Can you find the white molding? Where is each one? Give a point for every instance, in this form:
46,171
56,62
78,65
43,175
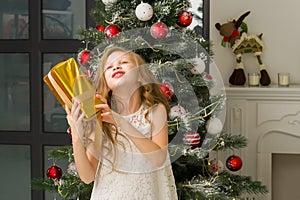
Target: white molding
269,117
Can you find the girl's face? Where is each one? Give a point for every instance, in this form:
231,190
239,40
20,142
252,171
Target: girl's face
117,67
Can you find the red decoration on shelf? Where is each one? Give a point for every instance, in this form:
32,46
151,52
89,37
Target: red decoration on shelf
100,28
191,138
84,57
112,30
234,163
54,172
159,30
167,90
185,18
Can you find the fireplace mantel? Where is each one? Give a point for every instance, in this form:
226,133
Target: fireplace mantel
269,117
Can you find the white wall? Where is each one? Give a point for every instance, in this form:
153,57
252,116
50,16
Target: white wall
279,21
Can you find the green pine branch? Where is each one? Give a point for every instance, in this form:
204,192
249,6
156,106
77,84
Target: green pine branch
228,141
64,153
223,186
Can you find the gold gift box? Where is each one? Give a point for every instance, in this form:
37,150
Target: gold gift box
68,82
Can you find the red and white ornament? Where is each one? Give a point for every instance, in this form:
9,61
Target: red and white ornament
207,76
199,66
84,57
177,111
191,138
100,28
215,166
234,163
111,31
167,89
54,172
159,30
107,2
185,18
214,126
144,11
71,169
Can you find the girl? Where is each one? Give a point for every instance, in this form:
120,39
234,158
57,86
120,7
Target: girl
133,161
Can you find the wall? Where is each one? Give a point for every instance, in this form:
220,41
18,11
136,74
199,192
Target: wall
279,23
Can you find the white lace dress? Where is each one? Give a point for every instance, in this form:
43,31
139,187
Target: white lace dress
132,178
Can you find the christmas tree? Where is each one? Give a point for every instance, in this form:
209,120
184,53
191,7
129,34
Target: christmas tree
182,61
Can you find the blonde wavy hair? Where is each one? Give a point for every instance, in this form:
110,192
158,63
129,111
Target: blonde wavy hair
150,91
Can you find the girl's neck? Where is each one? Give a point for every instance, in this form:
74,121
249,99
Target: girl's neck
126,106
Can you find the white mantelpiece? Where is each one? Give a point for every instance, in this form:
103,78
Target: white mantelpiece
269,117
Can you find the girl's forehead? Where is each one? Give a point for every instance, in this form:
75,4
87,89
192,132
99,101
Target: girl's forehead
115,56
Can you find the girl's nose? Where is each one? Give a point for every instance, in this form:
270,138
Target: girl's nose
117,67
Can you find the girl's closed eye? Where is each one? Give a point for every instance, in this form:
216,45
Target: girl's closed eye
108,67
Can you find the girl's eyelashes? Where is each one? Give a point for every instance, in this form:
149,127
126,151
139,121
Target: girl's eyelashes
108,67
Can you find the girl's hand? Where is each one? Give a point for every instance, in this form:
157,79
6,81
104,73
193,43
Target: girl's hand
106,112
75,119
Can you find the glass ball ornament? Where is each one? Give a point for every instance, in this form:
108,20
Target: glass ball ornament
84,57
107,2
177,111
199,66
112,30
159,30
214,126
100,28
185,18
234,163
71,169
144,11
216,166
54,172
191,138
167,89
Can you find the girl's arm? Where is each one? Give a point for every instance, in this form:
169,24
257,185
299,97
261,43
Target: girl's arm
154,148
85,162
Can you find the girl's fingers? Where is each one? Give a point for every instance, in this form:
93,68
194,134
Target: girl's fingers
81,116
102,106
67,110
77,112
101,98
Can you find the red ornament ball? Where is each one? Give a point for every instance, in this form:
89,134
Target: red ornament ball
185,18
100,28
159,30
111,30
54,172
167,89
84,57
234,163
191,138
